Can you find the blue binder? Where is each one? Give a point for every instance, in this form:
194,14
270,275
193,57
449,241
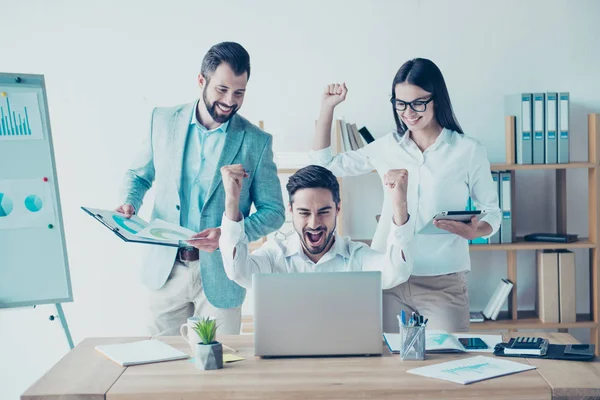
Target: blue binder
551,128
496,177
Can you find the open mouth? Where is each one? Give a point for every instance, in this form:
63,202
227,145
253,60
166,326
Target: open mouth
224,109
315,239
411,121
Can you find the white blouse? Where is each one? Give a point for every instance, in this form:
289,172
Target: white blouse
442,178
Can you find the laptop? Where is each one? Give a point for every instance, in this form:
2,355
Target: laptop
317,314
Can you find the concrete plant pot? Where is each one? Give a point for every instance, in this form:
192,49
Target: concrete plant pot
209,356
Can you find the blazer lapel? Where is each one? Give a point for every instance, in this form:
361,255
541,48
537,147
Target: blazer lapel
233,142
180,123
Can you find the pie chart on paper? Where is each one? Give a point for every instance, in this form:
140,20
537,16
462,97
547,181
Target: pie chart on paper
6,205
167,234
33,203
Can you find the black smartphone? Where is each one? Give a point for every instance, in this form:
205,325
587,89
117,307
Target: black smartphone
364,132
473,343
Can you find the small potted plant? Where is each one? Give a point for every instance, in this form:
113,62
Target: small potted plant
209,352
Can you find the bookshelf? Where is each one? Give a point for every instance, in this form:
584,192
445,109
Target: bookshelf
529,167
529,320
515,319
520,244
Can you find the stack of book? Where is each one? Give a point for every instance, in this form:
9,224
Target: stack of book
494,305
352,137
556,286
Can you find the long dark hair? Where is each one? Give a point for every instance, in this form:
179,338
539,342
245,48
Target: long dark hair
425,74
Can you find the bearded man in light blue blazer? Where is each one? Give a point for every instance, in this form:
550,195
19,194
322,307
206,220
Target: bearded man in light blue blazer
182,156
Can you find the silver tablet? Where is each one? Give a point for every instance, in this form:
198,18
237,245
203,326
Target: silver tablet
462,216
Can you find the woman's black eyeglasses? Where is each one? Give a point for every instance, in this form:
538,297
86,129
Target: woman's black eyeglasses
417,105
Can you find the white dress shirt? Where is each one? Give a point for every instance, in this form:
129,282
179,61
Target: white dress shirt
441,178
287,255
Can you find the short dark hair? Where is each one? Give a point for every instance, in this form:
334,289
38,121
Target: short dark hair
312,177
425,74
229,52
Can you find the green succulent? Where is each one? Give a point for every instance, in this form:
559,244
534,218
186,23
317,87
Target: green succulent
206,328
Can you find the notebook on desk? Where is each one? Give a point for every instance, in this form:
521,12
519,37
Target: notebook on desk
536,347
438,341
527,346
142,352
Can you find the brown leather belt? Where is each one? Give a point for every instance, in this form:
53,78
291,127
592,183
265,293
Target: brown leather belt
188,254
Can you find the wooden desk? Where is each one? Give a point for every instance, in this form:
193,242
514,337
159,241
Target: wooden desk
85,374
568,379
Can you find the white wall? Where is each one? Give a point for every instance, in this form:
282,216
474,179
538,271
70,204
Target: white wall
108,63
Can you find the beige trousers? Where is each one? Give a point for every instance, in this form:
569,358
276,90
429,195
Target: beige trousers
443,299
182,297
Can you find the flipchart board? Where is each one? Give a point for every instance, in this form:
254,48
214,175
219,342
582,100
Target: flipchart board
33,257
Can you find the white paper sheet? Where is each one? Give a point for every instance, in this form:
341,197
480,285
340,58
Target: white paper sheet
20,116
26,203
471,370
165,231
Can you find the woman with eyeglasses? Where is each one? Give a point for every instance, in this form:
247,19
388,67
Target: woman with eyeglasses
445,168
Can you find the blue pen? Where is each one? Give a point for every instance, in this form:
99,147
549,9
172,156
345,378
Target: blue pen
403,318
416,335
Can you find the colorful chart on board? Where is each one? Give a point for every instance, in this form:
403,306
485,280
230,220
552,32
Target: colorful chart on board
6,205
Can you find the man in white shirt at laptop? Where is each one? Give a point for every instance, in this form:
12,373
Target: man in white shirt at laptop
314,201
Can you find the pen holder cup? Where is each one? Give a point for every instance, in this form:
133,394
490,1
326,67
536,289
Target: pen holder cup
412,342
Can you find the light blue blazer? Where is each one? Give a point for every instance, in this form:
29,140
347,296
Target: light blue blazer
160,163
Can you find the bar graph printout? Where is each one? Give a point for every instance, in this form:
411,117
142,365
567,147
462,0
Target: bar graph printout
20,117
469,370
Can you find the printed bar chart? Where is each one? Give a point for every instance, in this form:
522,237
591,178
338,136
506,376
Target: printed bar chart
19,116
13,122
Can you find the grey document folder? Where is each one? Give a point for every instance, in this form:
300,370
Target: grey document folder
317,314
564,130
506,226
551,128
539,122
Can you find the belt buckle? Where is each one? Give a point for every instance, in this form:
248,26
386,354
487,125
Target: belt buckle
188,254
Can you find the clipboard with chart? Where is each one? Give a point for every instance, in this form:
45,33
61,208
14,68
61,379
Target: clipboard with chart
137,230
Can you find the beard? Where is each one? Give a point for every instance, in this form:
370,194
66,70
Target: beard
212,109
317,250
